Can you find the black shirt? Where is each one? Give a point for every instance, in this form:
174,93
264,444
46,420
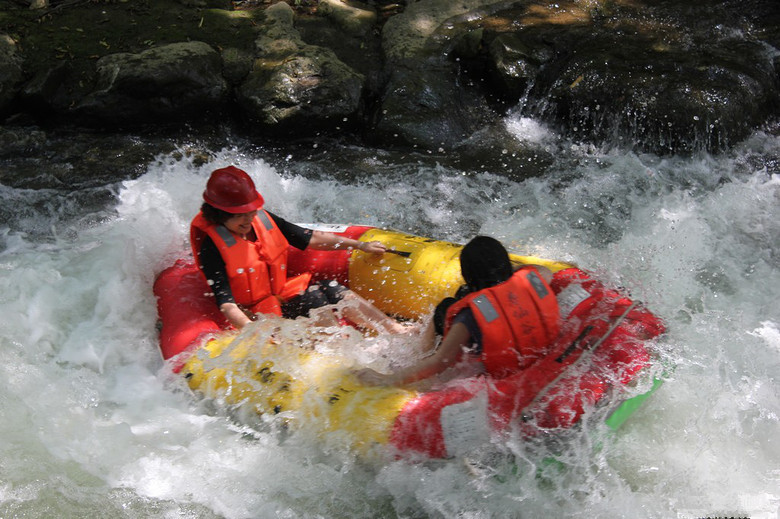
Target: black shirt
465,316
214,266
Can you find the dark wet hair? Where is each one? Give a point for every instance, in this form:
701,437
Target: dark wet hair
214,215
484,263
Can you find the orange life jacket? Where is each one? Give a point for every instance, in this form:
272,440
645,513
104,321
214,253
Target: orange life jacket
518,320
256,270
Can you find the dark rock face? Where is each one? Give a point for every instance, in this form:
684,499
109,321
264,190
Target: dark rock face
311,89
423,105
293,85
652,75
660,75
180,81
679,103
10,72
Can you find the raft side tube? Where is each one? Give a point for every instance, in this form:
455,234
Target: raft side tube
185,308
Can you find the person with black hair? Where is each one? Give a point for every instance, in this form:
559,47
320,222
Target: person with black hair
501,320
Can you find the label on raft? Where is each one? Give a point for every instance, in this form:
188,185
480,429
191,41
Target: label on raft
465,426
325,227
570,297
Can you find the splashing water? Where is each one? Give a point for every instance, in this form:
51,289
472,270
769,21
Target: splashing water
94,423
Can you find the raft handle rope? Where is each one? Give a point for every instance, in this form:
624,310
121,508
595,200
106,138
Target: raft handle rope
402,253
573,346
586,354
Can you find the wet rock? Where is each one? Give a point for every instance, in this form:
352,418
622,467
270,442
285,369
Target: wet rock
20,141
412,33
426,102
353,20
180,81
663,76
513,65
423,105
295,87
236,64
664,99
654,77
53,92
10,72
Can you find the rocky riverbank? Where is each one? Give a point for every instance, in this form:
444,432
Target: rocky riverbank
434,75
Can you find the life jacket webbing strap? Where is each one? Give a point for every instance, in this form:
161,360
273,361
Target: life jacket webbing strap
265,220
570,349
226,235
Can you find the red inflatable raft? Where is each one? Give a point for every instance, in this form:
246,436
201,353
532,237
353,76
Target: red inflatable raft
602,349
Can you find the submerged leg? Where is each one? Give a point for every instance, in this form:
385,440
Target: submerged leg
324,316
366,315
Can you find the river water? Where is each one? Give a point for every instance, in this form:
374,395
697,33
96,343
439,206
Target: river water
93,425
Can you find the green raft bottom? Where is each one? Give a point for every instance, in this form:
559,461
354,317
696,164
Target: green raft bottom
627,408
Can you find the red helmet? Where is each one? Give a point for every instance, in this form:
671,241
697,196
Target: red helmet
231,190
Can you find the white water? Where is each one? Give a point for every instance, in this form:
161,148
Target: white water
92,425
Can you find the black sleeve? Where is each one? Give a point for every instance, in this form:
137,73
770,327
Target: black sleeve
440,313
215,271
295,235
466,316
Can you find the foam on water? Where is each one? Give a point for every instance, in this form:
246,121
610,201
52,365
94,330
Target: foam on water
93,423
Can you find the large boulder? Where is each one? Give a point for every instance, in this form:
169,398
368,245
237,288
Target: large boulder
353,20
426,102
668,100
169,83
294,87
423,104
653,76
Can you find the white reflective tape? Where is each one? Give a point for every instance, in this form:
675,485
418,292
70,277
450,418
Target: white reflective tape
486,308
538,284
325,227
570,297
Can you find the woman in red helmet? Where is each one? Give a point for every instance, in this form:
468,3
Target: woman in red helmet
242,251
503,322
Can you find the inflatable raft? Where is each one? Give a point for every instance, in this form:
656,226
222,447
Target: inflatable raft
601,350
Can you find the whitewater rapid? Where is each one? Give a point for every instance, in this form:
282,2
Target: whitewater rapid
94,425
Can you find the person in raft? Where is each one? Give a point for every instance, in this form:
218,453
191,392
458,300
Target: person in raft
242,250
503,322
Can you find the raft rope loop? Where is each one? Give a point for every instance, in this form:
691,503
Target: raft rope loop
586,355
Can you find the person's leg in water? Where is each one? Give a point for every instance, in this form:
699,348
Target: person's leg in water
315,297
355,308
365,315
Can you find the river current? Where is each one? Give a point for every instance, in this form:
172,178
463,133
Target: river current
93,424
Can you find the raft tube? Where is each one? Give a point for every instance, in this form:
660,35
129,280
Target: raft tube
601,349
